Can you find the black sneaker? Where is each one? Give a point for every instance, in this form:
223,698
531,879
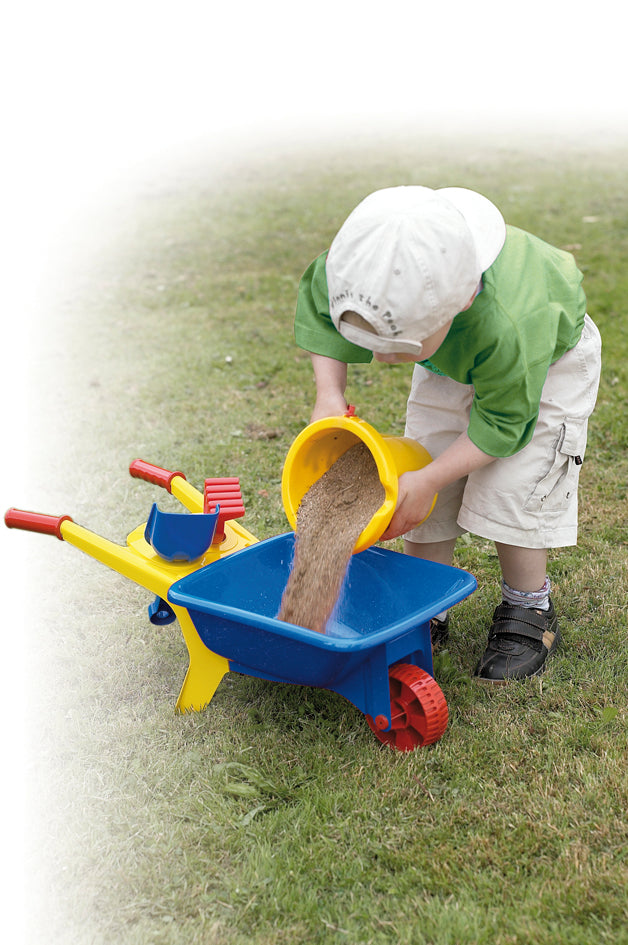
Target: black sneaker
519,642
439,632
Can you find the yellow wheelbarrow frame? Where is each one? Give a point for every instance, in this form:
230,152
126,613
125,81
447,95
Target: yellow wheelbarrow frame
142,564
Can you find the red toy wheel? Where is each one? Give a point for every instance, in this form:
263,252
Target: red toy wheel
419,713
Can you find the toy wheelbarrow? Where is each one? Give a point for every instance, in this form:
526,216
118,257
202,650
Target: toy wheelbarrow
376,651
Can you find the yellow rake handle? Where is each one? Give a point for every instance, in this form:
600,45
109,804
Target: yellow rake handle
174,482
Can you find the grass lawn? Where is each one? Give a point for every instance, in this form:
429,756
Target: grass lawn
275,816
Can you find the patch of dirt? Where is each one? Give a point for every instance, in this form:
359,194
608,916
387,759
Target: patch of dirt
256,431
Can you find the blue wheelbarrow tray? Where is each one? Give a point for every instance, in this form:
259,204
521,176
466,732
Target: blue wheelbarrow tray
382,617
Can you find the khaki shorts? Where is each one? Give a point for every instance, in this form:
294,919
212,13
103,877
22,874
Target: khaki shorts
530,499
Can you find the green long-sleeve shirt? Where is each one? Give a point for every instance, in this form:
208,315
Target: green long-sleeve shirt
529,313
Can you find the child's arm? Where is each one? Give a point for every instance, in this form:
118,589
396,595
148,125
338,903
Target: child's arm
417,488
331,381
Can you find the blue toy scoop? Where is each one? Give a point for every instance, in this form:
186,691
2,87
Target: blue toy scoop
178,536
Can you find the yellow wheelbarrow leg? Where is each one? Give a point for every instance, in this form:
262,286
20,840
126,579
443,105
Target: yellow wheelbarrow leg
205,669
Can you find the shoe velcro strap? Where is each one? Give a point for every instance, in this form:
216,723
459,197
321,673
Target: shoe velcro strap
523,623
517,629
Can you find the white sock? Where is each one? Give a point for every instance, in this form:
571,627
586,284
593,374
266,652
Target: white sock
539,600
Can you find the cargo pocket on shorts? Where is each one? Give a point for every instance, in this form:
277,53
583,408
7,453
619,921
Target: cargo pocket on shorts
555,491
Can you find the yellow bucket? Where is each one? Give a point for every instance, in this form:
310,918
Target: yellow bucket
321,443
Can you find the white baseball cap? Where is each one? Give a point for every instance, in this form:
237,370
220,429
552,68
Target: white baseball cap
407,260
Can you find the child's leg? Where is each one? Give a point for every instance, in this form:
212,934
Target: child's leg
525,627
523,569
527,503
440,551
443,553
438,411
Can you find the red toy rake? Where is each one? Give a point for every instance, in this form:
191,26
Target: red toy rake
223,496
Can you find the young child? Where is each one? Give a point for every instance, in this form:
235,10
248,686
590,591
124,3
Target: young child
506,376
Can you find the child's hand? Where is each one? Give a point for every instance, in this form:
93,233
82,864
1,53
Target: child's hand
414,503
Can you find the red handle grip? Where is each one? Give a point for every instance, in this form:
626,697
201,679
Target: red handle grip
140,469
35,522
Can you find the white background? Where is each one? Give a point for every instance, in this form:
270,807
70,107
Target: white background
95,93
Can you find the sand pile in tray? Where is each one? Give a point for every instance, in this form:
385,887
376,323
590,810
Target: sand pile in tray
332,514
